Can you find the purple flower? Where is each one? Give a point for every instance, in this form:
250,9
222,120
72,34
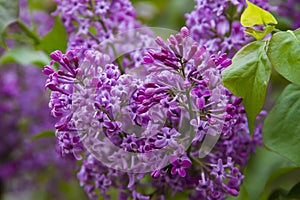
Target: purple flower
88,24
139,196
177,106
68,144
180,165
94,176
166,137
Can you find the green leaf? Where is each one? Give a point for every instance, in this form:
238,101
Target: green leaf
36,4
254,15
248,77
280,182
56,39
259,34
259,168
30,33
9,13
281,132
295,192
25,56
284,54
278,194
43,134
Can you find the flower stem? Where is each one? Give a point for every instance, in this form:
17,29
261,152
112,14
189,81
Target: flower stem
112,45
190,107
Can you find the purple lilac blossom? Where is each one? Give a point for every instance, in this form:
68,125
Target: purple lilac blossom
61,101
178,102
88,23
216,25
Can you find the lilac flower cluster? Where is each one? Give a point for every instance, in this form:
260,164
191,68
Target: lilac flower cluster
60,103
291,10
175,122
88,23
216,25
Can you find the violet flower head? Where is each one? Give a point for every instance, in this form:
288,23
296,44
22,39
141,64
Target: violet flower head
179,165
175,121
88,23
92,176
91,23
61,83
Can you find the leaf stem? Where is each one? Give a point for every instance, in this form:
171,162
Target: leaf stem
28,32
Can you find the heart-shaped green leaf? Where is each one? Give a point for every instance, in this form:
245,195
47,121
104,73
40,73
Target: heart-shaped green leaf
281,131
254,15
248,77
284,54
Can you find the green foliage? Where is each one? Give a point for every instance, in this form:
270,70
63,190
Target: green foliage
284,54
72,190
254,15
250,72
280,182
248,77
56,39
260,167
281,128
43,134
258,34
278,194
168,14
30,34
38,4
295,192
25,56
9,13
